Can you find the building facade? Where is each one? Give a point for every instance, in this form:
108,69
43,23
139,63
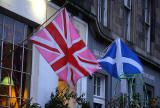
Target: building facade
24,74
98,22
136,23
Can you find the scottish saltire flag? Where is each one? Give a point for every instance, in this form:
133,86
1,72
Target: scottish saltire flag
61,46
120,60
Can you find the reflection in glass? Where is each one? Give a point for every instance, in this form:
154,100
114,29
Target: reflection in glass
8,29
27,63
7,54
1,26
28,44
25,86
17,61
19,32
4,102
4,89
17,83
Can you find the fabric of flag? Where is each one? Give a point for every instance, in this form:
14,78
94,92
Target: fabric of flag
120,60
61,46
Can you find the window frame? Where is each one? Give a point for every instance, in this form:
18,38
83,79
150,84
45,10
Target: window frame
23,83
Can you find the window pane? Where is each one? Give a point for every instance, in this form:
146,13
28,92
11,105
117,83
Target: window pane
27,63
5,81
17,83
8,29
0,50
4,102
28,44
19,32
95,87
17,61
14,103
1,26
7,54
98,86
25,86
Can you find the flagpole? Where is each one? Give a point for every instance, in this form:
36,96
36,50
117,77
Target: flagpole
35,30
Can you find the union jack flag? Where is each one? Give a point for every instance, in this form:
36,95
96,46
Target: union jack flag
61,46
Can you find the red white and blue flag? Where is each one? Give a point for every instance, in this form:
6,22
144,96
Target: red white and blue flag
61,46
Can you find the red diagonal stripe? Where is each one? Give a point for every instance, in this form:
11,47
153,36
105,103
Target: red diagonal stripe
45,46
89,62
76,47
65,25
72,75
59,64
75,63
57,37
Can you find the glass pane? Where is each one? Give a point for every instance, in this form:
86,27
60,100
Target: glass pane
8,29
27,63
98,86
1,26
0,50
14,103
25,103
94,85
28,44
4,102
25,86
19,32
17,61
17,84
7,54
98,91
5,81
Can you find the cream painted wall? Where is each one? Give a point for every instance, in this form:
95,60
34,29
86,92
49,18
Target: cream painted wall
35,10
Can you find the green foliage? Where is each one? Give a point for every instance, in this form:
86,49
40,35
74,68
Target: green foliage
61,98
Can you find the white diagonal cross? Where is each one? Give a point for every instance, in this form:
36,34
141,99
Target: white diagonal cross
119,60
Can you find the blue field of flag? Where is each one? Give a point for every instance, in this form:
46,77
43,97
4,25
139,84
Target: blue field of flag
120,60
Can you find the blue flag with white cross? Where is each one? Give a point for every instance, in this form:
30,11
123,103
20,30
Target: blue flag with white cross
120,60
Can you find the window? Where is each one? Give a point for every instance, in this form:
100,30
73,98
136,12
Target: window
147,34
148,92
147,21
127,24
97,105
15,65
127,19
131,86
127,4
99,85
99,91
147,11
102,12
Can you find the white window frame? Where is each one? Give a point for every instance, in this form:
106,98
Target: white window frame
102,85
127,3
100,99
